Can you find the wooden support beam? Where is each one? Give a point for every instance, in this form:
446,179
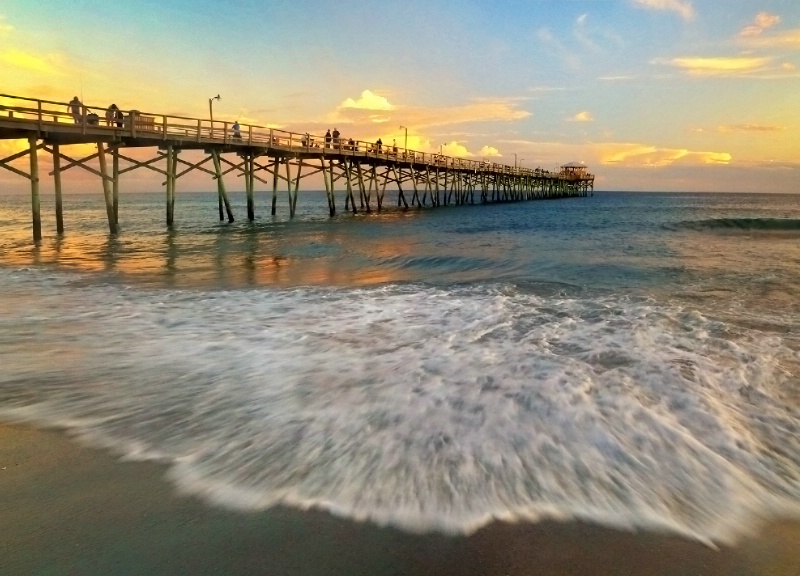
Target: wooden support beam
289,188
112,221
57,184
248,183
331,210
115,183
275,185
296,186
221,194
332,196
170,184
35,200
347,169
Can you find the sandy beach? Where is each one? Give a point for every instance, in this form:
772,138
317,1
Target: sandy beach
66,509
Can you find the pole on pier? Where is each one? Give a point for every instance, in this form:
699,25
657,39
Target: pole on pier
223,196
249,185
347,168
331,209
35,201
275,168
170,184
57,182
115,183
333,192
297,186
101,155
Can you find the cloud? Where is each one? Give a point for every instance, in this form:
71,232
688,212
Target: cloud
479,110
50,65
711,66
750,128
762,21
784,39
619,78
455,149
584,116
489,151
683,7
5,27
655,157
368,101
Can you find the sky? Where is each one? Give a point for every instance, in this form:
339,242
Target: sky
652,95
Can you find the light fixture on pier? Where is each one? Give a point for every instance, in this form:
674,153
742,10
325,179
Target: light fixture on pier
405,144
211,111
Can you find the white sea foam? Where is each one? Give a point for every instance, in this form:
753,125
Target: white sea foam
419,407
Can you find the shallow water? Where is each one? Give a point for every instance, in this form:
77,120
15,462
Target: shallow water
630,359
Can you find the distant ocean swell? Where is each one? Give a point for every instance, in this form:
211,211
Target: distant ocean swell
767,224
420,407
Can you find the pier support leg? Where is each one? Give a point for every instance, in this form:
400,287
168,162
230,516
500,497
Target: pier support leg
223,196
57,183
275,168
170,184
115,183
347,169
35,201
101,155
289,187
249,184
331,210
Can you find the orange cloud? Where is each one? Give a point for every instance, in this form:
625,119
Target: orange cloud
762,21
489,151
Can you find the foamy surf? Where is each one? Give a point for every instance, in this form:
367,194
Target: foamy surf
419,407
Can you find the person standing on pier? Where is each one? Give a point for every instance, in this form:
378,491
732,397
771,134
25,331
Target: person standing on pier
237,134
378,144
328,138
335,137
75,108
111,114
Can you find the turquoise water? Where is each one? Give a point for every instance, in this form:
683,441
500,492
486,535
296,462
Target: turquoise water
629,359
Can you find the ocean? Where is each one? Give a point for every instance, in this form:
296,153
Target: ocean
627,359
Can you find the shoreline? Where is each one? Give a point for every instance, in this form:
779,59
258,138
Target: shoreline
68,509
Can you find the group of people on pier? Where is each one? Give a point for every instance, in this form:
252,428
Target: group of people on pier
113,115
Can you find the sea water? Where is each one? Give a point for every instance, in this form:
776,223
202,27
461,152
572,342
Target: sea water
631,359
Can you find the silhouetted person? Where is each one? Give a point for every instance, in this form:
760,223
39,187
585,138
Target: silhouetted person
76,109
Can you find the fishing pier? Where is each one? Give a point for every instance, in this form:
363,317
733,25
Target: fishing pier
261,154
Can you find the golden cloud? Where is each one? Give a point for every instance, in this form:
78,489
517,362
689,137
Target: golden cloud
652,156
710,66
762,21
489,151
50,65
584,116
484,110
368,101
682,7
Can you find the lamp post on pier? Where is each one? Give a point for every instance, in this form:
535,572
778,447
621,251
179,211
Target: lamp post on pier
211,111
515,160
405,143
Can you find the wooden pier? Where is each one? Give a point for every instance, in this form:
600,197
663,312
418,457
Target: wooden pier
259,154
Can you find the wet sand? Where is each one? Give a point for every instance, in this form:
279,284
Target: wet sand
66,509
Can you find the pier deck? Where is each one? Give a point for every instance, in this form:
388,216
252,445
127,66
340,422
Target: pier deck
258,153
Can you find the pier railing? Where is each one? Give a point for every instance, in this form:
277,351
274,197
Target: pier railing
92,120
